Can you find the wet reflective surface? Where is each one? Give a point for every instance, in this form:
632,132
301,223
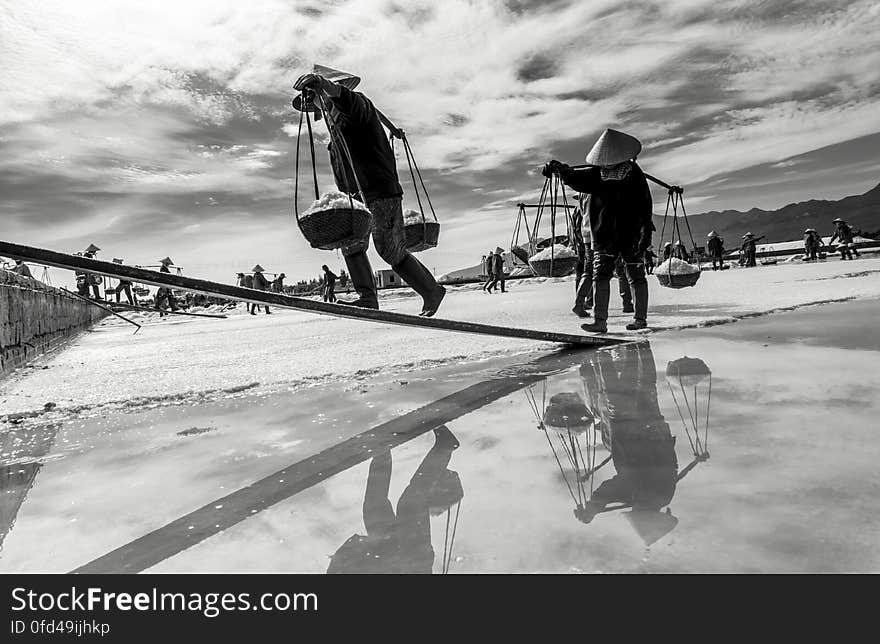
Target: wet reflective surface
738,448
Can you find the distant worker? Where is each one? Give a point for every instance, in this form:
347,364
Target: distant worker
667,250
21,269
679,251
496,268
278,283
124,286
260,283
716,250
812,245
328,291
165,295
844,232
749,249
620,219
89,279
487,270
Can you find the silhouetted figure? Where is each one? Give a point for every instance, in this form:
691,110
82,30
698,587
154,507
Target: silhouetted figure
165,296
749,249
496,266
715,245
328,290
812,245
844,233
22,269
400,542
259,283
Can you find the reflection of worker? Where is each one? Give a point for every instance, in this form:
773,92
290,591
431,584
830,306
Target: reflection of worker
623,384
400,542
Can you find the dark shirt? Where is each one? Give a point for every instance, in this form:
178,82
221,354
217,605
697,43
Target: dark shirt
716,246
844,233
498,265
369,147
620,211
329,278
260,282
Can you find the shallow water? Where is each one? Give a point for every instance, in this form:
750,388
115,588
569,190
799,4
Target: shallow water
618,460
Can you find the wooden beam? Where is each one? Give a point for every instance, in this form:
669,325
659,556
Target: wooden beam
155,278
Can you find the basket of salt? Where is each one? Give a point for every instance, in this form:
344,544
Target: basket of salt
335,221
421,232
677,273
554,261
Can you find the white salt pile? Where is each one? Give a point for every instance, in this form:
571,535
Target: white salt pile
334,199
676,266
415,217
557,251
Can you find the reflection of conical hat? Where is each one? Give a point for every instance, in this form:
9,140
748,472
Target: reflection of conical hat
567,411
614,147
445,492
257,269
650,525
92,249
343,78
166,261
688,370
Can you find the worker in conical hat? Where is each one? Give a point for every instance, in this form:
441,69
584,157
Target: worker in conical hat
715,245
496,266
749,249
165,295
91,250
667,250
620,211
124,286
354,119
89,279
260,283
843,232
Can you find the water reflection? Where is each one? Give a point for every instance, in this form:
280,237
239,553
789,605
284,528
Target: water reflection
22,450
617,412
400,541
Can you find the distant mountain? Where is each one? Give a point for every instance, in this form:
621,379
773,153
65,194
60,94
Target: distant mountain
786,223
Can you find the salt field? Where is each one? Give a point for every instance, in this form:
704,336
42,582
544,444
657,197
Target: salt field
297,443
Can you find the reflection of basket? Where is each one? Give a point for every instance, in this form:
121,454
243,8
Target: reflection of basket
421,236
566,411
561,266
670,280
335,227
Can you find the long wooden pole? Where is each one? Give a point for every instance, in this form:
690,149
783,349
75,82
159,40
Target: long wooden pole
101,306
155,278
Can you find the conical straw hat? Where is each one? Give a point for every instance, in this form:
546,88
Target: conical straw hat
167,260
614,147
343,78
499,250
712,234
257,269
92,249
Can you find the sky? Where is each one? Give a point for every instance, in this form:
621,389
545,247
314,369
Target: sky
165,128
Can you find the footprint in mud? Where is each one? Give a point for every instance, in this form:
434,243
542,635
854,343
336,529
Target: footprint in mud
194,431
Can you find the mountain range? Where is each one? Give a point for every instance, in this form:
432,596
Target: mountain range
862,212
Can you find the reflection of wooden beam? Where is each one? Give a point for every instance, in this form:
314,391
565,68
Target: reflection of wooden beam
155,278
225,512
101,306
148,309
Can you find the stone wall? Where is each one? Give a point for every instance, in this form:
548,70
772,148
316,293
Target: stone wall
35,318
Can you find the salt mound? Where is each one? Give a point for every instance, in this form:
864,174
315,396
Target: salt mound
411,217
334,199
557,251
676,266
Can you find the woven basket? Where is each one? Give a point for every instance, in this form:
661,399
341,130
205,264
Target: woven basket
336,227
421,236
567,412
562,266
677,281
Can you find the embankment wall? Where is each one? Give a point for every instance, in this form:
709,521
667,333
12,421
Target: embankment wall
36,317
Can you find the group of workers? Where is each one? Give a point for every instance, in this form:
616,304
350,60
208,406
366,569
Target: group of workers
258,281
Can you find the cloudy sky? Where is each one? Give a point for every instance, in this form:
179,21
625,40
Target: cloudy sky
165,128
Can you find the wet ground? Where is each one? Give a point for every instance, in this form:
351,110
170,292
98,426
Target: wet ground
756,453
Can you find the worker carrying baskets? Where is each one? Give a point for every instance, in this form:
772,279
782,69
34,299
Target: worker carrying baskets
370,196
619,211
